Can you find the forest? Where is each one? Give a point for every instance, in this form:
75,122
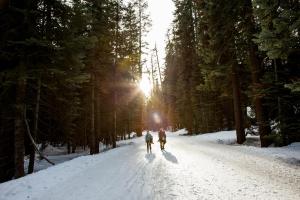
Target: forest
235,65
70,72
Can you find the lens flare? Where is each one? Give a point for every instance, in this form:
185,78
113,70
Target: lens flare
156,118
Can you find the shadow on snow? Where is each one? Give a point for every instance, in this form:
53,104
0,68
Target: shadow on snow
169,156
150,157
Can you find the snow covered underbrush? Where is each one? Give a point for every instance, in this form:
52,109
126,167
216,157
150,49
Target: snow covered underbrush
55,154
60,154
289,154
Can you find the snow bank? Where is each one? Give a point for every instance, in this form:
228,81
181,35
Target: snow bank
59,155
33,186
289,154
179,132
223,137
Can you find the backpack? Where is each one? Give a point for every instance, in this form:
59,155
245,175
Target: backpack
149,138
162,135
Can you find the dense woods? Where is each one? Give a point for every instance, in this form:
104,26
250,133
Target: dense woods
235,65
70,69
69,73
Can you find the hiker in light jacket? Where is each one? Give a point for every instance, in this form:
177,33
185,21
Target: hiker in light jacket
149,141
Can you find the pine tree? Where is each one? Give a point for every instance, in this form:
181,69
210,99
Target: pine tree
278,38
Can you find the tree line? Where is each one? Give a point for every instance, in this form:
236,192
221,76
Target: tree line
69,72
235,65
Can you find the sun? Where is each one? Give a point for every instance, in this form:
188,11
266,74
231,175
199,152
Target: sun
145,86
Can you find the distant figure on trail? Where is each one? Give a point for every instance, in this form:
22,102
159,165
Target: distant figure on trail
162,138
149,141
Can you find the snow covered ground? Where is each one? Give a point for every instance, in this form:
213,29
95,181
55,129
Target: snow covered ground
289,154
55,154
59,155
196,167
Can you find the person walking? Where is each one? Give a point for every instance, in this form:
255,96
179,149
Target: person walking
162,138
149,141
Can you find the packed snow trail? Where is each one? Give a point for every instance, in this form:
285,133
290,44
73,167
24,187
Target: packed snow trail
188,169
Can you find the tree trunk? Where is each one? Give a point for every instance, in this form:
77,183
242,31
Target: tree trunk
238,114
35,129
140,110
128,123
73,147
114,135
263,124
92,135
152,76
139,122
85,130
97,118
69,146
158,66
140,40
19,124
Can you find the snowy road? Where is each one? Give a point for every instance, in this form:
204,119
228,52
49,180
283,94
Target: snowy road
188,169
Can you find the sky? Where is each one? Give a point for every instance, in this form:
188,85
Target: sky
161,14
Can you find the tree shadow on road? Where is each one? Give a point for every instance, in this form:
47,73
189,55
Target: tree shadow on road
150,157
169,156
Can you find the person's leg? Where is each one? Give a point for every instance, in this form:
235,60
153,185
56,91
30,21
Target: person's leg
150,147
147,147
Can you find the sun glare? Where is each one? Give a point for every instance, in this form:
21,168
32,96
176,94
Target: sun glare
145,86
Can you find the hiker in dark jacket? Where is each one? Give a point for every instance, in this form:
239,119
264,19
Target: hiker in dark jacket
162,138
149,141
